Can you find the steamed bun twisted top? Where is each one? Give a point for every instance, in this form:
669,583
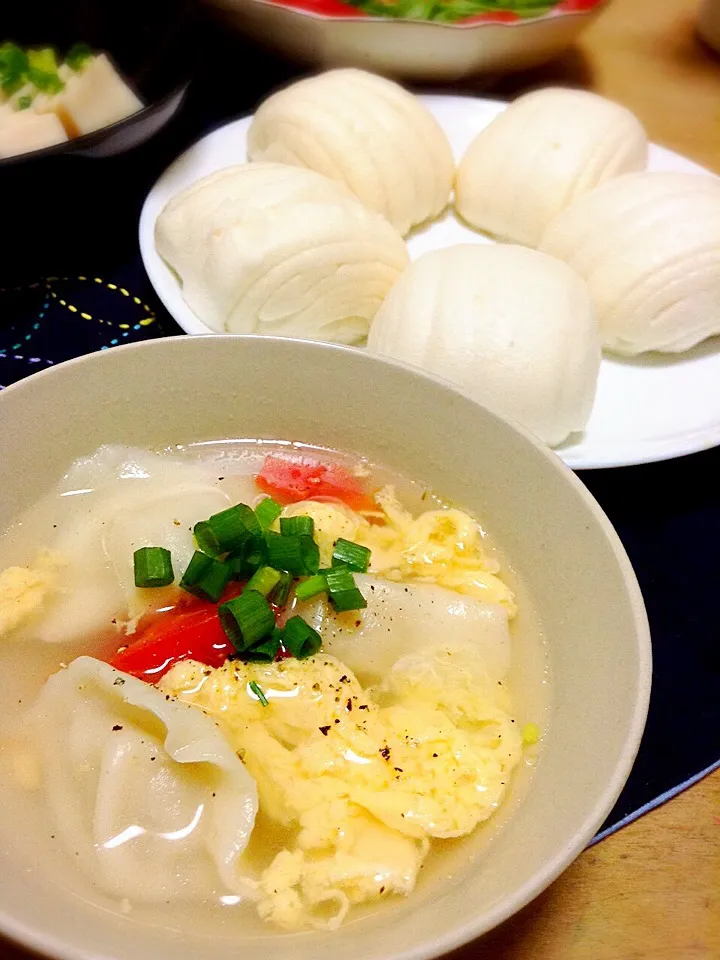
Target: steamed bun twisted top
366,132
273,249
648,245
513,327
548,148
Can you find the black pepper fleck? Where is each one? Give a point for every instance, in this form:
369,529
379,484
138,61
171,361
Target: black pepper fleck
349,703
324,730
434,754
117,726
385,752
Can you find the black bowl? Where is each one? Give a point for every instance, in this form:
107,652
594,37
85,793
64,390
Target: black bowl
154,44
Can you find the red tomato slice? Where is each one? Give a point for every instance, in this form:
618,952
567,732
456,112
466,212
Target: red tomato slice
576,6
191,631
290,480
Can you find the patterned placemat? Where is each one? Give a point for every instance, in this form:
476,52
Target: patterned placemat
54,318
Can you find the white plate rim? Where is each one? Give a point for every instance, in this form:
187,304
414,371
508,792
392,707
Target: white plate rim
611,454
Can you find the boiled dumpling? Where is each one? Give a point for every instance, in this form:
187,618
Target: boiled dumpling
156,503
548,148
366,132
513,327
648,245
274,249
142,790
404,617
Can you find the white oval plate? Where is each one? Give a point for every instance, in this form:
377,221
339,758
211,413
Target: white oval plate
650,408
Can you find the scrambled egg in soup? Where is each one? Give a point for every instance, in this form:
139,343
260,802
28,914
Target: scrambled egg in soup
439,546
362,725
365,778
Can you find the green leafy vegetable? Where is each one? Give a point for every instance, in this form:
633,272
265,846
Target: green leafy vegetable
450,11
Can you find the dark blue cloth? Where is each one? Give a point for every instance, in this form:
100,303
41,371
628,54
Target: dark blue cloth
78,218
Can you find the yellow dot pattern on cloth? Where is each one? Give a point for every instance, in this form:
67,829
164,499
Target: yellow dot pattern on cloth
146,321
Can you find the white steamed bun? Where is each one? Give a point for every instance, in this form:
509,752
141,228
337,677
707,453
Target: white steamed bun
273,249
548,148
366,132
510,326
648,245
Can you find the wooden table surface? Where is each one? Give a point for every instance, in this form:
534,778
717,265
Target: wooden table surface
651,891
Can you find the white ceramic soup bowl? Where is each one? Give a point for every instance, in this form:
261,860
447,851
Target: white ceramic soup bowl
332,33
561,545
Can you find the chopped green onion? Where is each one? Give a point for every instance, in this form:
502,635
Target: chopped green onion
257,690
78,55
13,67
152,567
312,587
206,577
245,562
353,555
267,512
206,539
264,580
266,651
227,530
344,594
297,526
298,555
339,578
246,620
43,70
300,639
279,593
348,600
24,102
43,59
